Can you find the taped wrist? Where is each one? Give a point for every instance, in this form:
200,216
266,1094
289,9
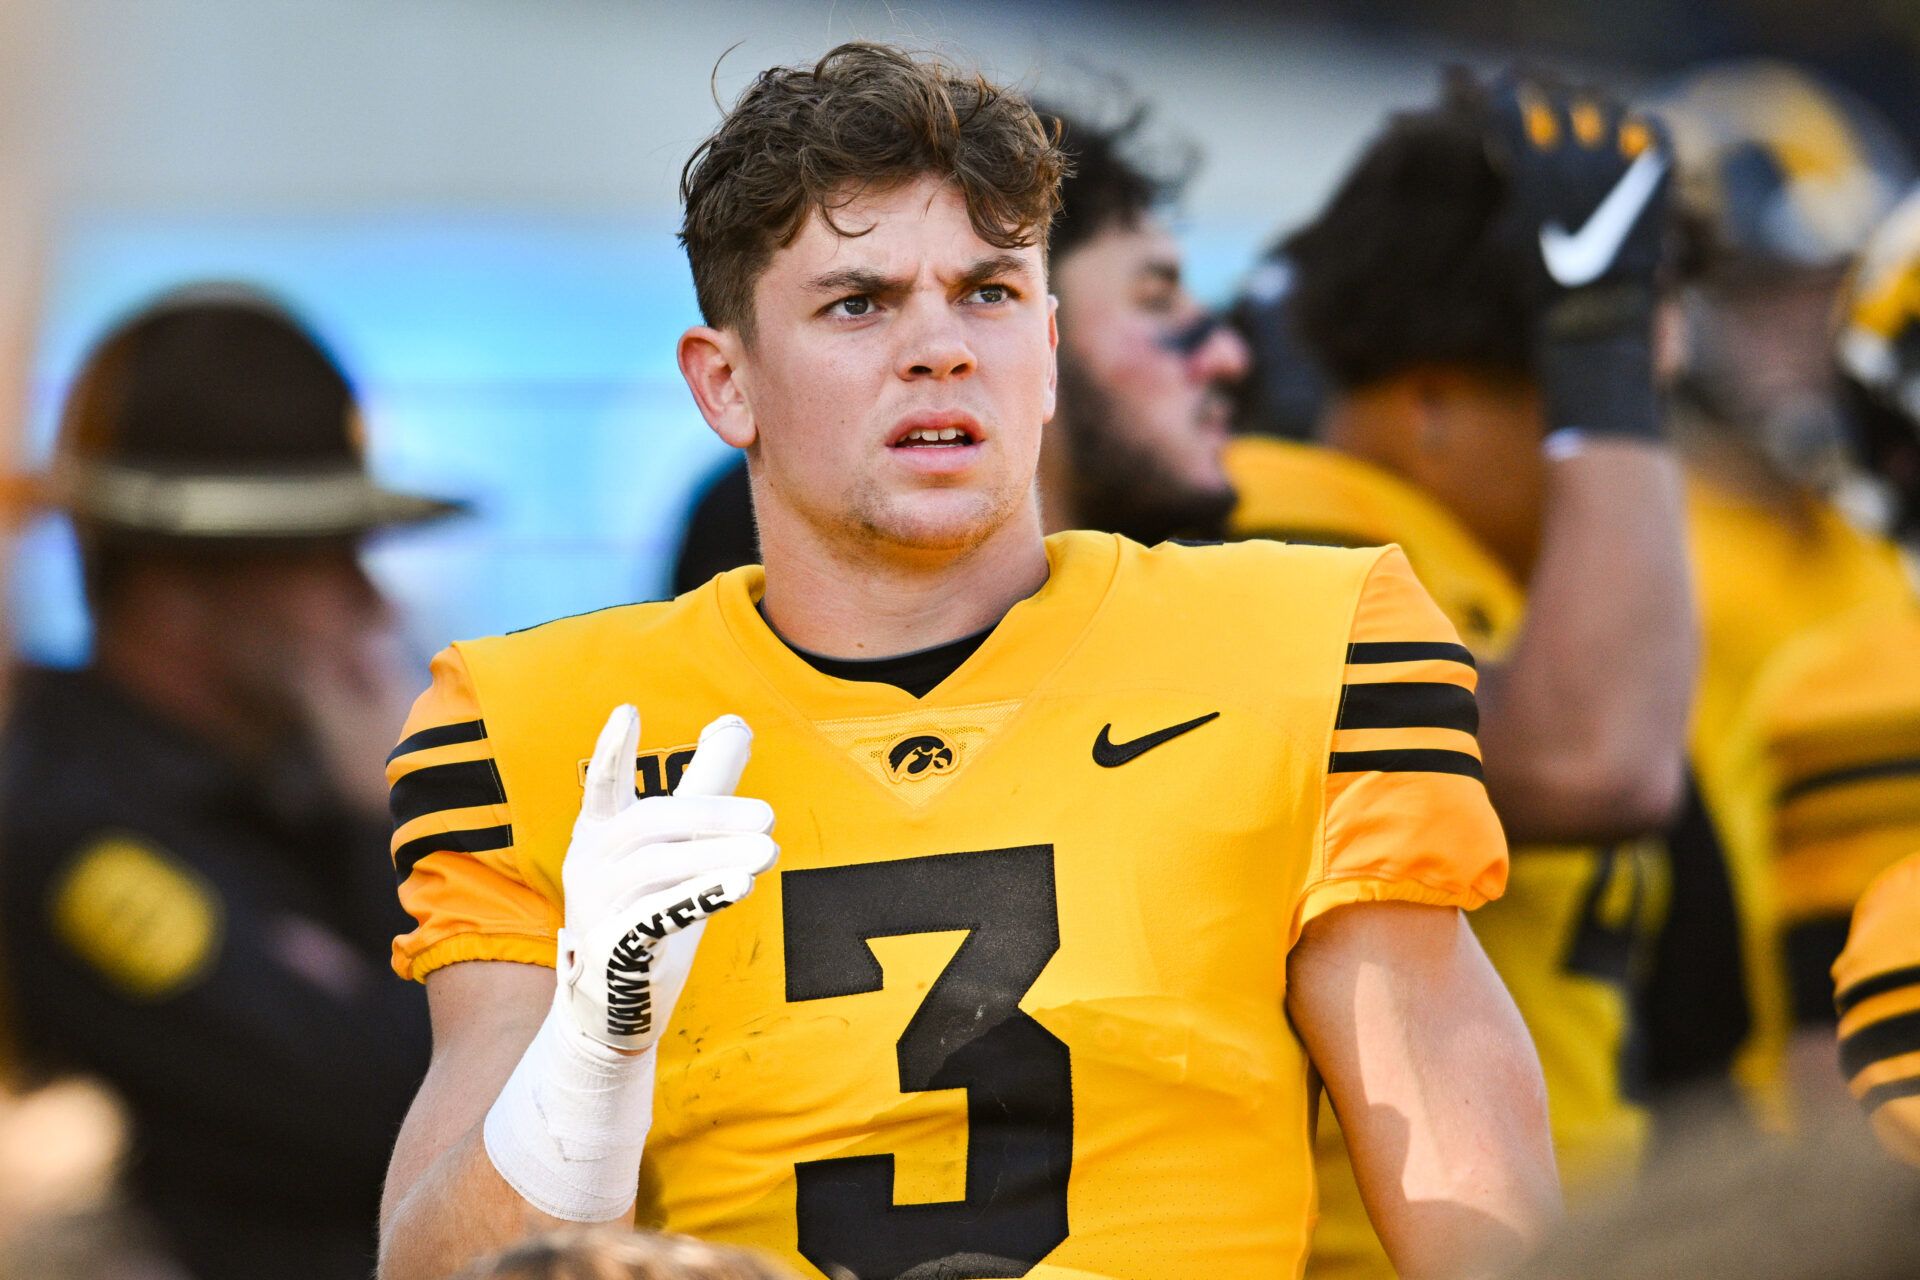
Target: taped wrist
1601,385
568,1130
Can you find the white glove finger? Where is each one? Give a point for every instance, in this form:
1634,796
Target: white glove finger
676,864
609,788
718,760
658,819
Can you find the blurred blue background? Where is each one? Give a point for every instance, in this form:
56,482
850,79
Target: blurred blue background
474,201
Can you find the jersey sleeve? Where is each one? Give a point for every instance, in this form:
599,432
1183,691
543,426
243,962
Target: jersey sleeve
453,850
1406,816
1877,994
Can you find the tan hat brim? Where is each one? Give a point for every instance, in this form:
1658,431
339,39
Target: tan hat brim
317,505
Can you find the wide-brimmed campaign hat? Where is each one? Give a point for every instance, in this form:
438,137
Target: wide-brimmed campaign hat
215,415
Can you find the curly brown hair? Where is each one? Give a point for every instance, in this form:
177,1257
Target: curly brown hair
866,116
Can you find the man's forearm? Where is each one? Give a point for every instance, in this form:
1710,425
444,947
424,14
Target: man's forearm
458,1211
1583,727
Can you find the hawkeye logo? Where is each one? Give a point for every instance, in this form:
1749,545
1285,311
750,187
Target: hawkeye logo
921,755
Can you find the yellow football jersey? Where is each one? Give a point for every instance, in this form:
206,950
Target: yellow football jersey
1877,986
1760,581
1574,920
1832,732
1011,1002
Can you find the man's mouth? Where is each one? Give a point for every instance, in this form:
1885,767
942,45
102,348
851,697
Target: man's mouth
937,431
934,438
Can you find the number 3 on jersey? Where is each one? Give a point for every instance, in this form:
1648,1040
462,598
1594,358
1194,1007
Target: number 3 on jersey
968,1034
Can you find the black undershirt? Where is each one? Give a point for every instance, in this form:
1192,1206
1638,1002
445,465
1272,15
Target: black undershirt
918,673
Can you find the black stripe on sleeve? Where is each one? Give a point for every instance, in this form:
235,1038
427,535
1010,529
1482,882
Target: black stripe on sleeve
1408,760
1408,705
440,787
478,840
1878,985
1881,1094
439,735
1907,766
1878,1041
1370,652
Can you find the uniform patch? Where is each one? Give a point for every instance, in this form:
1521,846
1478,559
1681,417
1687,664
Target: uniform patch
139,916
917,753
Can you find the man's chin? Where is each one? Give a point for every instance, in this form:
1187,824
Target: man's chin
937,522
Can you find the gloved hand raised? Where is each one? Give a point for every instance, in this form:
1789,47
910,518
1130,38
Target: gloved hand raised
642,876
1588,186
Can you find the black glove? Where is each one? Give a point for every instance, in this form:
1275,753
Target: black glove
1588,187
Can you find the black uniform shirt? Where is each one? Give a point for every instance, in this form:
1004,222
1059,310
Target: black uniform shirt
214,944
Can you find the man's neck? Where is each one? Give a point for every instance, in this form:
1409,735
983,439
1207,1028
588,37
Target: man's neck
875,601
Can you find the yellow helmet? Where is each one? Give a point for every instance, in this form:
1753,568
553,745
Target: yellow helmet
1787,170
1878,345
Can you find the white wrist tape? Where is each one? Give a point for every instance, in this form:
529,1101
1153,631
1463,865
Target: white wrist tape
568,1130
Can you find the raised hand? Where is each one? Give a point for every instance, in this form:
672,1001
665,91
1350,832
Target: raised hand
642,876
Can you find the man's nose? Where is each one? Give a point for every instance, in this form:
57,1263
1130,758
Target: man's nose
1223,357
934,344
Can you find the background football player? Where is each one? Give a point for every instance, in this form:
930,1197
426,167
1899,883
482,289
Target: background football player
1141,410
1222,809
1500,423
1783,177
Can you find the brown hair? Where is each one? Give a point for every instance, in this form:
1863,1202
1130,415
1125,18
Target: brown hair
611,1253
801,139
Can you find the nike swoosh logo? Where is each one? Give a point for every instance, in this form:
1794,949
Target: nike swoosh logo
1109,754
1580,258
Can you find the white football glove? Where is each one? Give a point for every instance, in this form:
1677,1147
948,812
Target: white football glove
642,876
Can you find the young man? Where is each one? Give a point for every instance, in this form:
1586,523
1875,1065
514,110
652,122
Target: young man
1090,854
1501,427
1140,419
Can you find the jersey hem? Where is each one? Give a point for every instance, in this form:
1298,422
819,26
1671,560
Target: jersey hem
512,947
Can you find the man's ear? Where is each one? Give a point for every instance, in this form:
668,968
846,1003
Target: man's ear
1053,358
710,362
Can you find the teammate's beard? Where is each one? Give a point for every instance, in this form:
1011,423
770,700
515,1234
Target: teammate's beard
1119,484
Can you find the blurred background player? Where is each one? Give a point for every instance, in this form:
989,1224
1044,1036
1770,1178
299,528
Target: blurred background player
1783,177
197,899
1144,403
1825,755
1877,998
1503,429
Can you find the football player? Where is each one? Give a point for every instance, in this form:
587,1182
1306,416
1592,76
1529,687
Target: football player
1480,292
1786,176
1824,767
1091,855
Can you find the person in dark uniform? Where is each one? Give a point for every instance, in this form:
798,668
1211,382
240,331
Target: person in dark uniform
1146,373
195,893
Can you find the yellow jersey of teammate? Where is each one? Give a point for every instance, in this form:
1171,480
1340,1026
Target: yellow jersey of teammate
1759,582
1573,920
1016,990
1832,761
1877,994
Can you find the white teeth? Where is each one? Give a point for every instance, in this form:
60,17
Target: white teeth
949,433
934,435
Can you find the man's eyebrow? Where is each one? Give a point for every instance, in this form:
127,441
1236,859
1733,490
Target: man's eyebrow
856,280
1162,271
1000,264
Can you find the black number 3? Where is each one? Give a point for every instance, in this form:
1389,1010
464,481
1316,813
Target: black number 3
968,1034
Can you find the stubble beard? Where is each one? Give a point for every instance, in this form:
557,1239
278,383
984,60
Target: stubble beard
1120,485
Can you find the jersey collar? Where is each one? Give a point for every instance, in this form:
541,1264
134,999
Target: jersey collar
1024,649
